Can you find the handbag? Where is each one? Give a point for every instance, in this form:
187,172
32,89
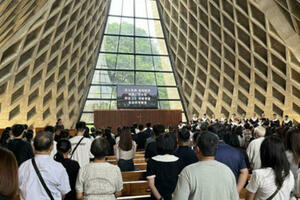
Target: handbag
274,194
41,179
76,147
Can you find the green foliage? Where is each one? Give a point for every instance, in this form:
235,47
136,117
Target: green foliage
126,45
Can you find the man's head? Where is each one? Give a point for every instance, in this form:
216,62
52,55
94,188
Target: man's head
158,129
274,116
165,144
43,142
18,130
80,127
286,117
259,131
50,129
148,125
100,148
184,136
207,144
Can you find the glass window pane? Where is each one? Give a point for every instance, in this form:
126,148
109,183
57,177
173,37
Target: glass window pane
152,10
165,79
127,26
170,105
127,8
145,78
144,63
110,43
140,8
183,118
115,7
113,25
142,45
162,63
106,61
141,27
100,92
126,45
102,77
124,78
155,28
87,117
168,93
125,62
159,46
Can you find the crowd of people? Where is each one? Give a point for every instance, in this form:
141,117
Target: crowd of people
206,158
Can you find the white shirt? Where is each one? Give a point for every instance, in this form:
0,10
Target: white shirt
99,181
262,183
54,150
83,152
253,152
125,155
297,184
53,173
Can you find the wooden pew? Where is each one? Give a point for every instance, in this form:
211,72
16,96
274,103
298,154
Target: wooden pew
134,175
114,157
136,160
140,166
134,188
1,131
139,197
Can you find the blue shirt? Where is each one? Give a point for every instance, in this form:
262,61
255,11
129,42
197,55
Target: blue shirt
231,157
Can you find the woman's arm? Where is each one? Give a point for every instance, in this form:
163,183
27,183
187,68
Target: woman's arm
79,195
151,182
118,194
250,195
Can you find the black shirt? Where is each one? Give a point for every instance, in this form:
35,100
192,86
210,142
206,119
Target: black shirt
21,149
151,150
166,169
187,155
72,168
141,139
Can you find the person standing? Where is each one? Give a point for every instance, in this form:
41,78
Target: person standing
42,168
81,146
8,175
22,150
207,179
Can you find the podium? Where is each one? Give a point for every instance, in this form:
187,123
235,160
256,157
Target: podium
126,117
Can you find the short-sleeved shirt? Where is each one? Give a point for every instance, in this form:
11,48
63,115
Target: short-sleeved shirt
206,180
253,152
151,150
83,152
21,149
99,181
53,173
187,155
165,170
231,157
72,168
262,183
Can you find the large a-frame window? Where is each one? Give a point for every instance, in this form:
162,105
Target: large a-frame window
133,52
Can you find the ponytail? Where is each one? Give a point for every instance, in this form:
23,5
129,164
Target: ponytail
59,156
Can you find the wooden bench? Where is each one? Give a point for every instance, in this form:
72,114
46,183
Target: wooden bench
134,188
140,166
139,197
136,160
114,157
134,175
